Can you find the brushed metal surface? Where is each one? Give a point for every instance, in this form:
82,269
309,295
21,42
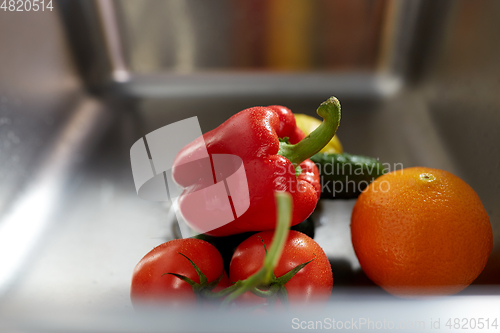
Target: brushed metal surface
98,228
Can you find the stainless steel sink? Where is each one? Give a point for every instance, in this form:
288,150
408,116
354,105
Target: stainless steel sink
73,227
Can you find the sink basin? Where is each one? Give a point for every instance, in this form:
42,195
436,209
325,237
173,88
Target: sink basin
72,227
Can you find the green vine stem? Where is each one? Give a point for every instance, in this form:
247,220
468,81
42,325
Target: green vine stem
263,283
265,274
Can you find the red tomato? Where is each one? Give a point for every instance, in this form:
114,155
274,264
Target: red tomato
150,285
313,283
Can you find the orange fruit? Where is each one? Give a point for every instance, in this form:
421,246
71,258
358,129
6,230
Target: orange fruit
421,231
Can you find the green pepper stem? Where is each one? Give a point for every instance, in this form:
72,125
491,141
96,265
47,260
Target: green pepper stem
265,274
316,140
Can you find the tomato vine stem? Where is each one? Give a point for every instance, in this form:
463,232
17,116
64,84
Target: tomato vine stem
262,283
265,274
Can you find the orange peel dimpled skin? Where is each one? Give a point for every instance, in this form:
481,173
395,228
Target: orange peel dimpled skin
420,232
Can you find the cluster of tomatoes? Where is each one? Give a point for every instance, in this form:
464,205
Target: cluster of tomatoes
190,271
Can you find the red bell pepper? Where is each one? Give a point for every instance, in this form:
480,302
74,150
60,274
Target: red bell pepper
275,156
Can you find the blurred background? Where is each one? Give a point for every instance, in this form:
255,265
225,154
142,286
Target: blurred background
79,84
